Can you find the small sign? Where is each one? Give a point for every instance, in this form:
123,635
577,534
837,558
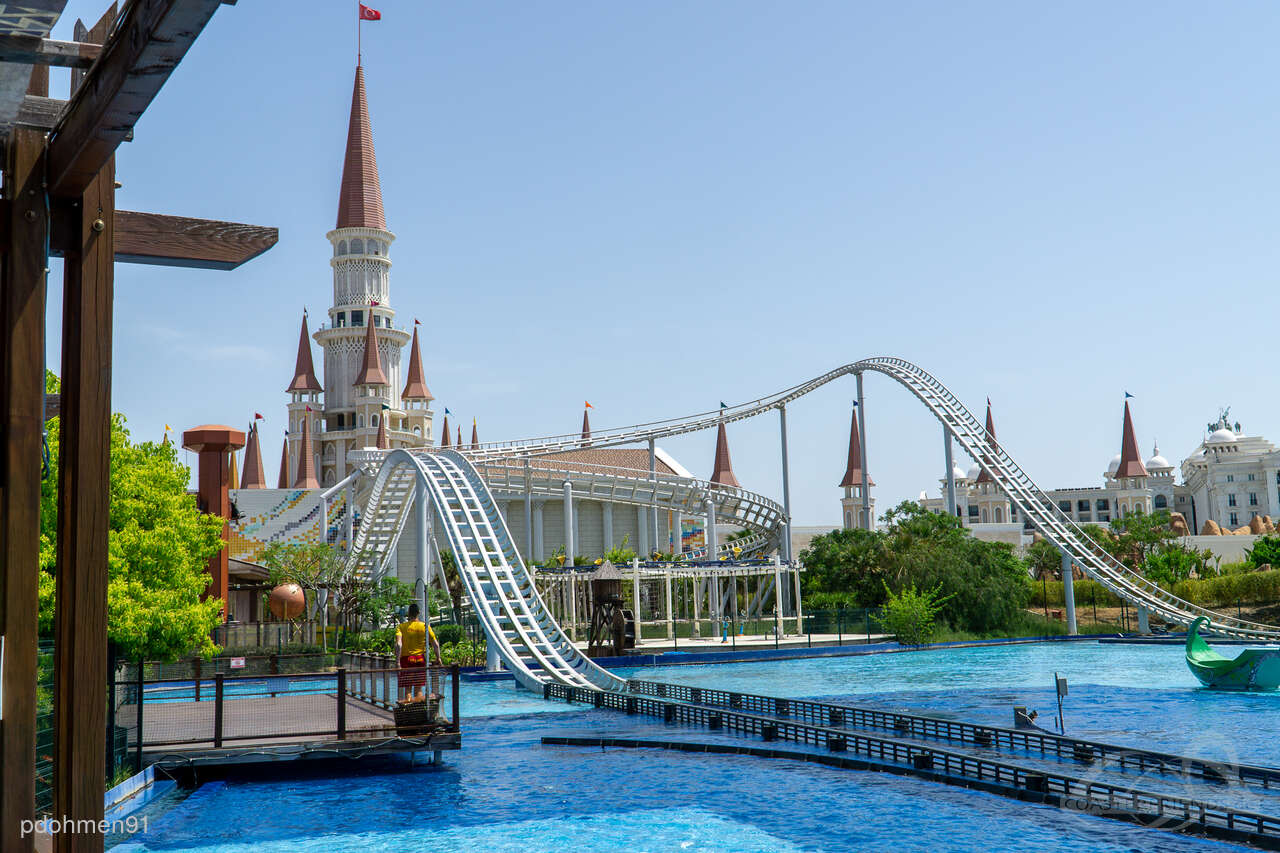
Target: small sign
1062,685
237,663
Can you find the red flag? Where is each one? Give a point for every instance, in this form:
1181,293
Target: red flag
257,416
367,14
308,408
588,405
417,322
373,303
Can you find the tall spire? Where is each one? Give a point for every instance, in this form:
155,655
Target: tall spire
1130,461
853,470
459,436
304,371
475,439
233,476
371,367
444,433
284,481
983,476
254,476
586,429
415,386
722,472
306,476
381,441
360,198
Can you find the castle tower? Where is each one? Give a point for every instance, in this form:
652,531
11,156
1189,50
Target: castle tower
255,476
993,506
722,469
1130,476
304,392
851,482
362,321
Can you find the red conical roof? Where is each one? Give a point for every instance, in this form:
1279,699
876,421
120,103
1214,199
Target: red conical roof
722,473
371,367
444,433
459,436
254,474
983,476
304,371
853,470
381,441
415,386
586,429
306,477
1130,461
360,197
284,481
475,440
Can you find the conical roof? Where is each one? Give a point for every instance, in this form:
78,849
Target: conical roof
381,441
283,482
254,474
444,433
475,439
306,477
983,476
853,469
722,472
233,475
304,371
1130,460
360,196
586,429
459,436
415,385
371,366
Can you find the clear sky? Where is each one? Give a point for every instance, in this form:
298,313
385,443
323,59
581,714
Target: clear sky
658,206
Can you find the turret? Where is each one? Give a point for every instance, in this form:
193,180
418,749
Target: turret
722,468
851,482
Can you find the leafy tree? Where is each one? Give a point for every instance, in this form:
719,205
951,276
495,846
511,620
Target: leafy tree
159,544
456,588
1138,535
1043,559
846,561
1174,563
1265,552
909,615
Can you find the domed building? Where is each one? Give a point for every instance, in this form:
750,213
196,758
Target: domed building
1231,478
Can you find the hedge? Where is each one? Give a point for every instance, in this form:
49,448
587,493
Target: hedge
1220,591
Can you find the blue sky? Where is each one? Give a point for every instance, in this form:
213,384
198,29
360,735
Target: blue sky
659,206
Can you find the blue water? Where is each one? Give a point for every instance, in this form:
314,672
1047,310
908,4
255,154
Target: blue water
504,791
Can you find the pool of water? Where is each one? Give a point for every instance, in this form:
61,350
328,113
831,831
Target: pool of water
505,791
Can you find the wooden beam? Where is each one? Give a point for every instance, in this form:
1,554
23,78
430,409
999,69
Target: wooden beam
80,621
33,50
179,241
21,404
151,39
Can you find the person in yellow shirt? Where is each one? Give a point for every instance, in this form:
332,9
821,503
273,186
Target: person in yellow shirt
411,646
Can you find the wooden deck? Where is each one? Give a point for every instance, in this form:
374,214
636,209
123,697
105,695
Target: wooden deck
265,728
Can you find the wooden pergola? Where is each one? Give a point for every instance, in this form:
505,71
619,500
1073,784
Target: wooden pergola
59,200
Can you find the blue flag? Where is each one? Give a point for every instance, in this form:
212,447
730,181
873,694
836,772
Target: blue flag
1127,395
446,411
723,404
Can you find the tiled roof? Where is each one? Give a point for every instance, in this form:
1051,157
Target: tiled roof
586,426
983,476
1130,460
360,197
722,471
306,478
304,371
853,470
632,458
415,386
381,441
371,366
444,433
254,474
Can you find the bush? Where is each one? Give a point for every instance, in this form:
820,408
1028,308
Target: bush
380,641
909,615
1265,552
447,634
830,601
1087,593
464,653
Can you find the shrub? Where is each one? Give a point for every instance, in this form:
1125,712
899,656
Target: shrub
1265,551
447,634
909,614
830,601
1087,593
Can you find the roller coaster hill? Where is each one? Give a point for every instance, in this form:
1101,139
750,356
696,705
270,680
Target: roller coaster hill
450,493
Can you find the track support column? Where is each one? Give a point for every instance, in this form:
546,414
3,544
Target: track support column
777,596
420,550
653,500
635,594
1069,593
568,524
671,629
713,545
528,512
867,523
1144,627
785,544
951,467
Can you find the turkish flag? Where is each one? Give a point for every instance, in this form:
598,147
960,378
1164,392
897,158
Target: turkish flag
367,14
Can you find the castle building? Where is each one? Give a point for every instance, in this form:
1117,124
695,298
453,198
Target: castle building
853,514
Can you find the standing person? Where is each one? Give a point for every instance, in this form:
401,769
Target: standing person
411,647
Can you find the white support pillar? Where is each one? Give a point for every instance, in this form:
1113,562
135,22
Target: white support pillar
1144,626
643,545
420,550
712,543
951,478
653,501
785,544
677,545
777,595
1069,593
868,524
799,608
606,523
568,523
635,594
671,626
529,554
539,549
697,605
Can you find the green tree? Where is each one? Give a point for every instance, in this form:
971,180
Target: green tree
158,547
1138,535
1043,559
846,561
909,614
1265,552
1173,563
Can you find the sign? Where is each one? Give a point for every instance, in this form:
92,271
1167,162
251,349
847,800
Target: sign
1062,685
237,663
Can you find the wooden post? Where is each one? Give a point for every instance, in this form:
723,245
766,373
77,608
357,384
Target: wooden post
22,344
342,704
80,700
217,710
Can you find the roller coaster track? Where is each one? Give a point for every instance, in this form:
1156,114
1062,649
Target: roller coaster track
514,616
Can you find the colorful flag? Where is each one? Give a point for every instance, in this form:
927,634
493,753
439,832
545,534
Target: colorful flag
446,411
1127,395
588,405
723,404
257,416
367,14
417,322
385,406
308,408
373,303
168,428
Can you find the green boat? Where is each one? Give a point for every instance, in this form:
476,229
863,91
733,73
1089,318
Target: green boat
1255,668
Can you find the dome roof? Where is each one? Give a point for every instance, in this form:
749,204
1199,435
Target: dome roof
974,470
1221,436
957,473
1156,460
1115,464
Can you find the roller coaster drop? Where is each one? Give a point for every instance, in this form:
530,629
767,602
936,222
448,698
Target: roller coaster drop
517,622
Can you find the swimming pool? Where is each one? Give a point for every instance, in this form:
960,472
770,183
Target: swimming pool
504,791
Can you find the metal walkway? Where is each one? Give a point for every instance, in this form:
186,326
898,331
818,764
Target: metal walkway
517,623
